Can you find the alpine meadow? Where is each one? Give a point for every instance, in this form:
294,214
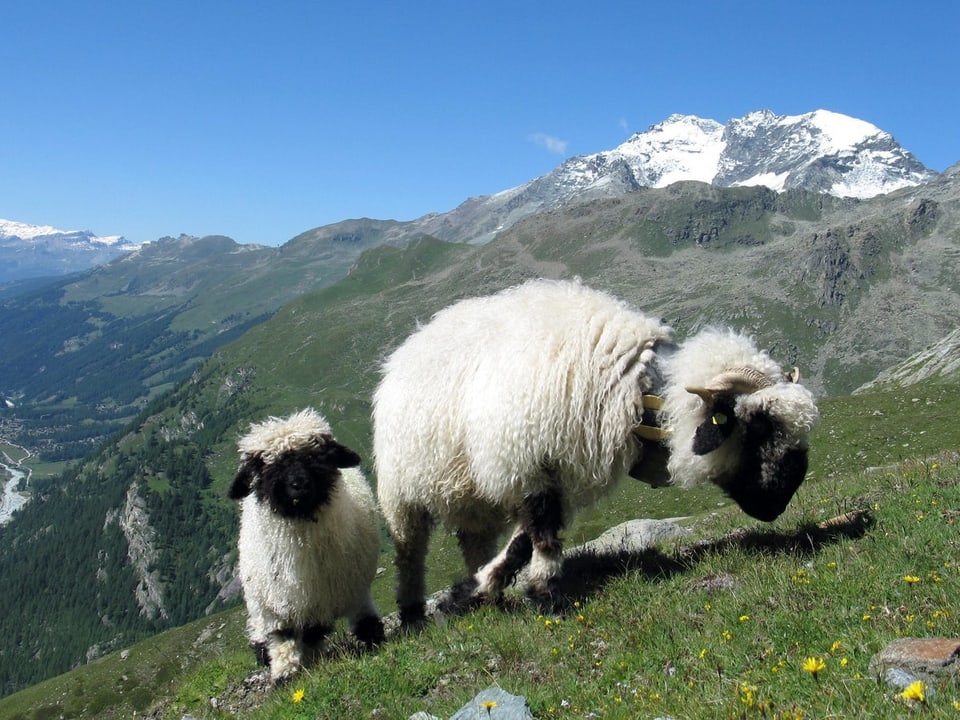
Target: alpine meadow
133,381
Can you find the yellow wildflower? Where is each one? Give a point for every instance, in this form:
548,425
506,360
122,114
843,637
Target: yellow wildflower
488,705
914,691
744,618
911,579
298,694
814,665
836,647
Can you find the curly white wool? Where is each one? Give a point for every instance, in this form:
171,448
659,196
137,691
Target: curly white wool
474,402
304,573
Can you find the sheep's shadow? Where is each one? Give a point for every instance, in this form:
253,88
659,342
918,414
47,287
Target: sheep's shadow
586,569
585,573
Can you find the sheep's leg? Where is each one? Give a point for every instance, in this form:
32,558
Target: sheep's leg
410,556
477,548
286,654
496,575
541,516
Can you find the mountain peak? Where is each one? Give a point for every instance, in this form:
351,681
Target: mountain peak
42,250
820,151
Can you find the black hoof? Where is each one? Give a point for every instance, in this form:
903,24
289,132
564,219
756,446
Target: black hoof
548,598
369,631
413,616
462,598
262,653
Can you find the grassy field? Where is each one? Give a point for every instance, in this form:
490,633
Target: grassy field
727,629
737,620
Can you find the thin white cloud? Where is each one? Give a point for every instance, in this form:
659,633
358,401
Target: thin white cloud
624,125
552,144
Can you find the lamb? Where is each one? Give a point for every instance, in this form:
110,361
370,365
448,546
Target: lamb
309,540
520,408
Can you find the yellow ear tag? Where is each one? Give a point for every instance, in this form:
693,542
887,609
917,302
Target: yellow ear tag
719,419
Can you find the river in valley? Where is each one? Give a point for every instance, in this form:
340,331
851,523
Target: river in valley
12,473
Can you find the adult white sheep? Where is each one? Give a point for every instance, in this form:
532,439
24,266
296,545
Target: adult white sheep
309,540
521,407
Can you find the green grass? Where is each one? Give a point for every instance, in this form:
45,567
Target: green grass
712,630
716,625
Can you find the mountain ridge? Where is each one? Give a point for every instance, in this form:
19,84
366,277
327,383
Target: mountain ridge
32,251
820,151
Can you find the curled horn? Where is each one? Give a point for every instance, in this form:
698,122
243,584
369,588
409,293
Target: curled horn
735,381
794,375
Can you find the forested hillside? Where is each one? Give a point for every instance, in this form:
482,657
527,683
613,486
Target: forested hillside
84,354
142,528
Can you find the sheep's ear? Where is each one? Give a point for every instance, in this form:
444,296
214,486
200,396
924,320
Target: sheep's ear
339,455
243,482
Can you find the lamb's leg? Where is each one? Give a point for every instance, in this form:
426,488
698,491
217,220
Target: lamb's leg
261,651
541,516
411,540
286,655
257,631
314,641
369,631
366,624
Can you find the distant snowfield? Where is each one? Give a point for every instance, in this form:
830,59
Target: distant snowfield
30,233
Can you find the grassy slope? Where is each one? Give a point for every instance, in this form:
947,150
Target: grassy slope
718,632
343,332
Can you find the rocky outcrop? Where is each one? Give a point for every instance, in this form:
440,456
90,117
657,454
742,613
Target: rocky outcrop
142,553
940,360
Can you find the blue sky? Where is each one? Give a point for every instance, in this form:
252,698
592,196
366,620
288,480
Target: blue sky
262,120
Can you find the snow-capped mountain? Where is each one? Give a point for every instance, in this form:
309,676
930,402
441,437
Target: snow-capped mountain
28,251
821,151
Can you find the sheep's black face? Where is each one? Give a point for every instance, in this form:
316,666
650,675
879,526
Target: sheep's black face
770,469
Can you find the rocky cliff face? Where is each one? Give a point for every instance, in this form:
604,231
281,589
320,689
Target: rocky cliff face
940,360
142,553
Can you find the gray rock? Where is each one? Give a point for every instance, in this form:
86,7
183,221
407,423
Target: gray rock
504,706
424,716
633,536
922,658
899,679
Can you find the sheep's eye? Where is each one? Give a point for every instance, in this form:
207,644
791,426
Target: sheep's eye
718,419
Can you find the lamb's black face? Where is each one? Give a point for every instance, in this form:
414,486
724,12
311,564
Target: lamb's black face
770,470
298,482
